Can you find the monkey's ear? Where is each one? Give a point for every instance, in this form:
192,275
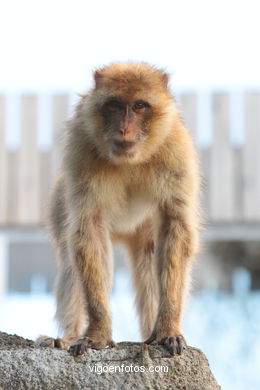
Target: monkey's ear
165,79
98,77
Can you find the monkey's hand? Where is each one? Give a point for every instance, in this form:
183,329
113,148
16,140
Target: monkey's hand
175,344
84,343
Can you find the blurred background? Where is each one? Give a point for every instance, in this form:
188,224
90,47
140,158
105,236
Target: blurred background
211,49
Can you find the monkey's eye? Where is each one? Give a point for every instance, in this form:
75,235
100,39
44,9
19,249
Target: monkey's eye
140,105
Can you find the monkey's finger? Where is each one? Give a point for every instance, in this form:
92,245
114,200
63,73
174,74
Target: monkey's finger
170,344
58,343
75,350
80,346
45,341
112,344
173,345
181,344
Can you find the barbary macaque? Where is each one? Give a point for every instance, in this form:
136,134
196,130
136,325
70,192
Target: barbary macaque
130,174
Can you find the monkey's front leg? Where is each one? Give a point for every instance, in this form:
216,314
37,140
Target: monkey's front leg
176,245
91,250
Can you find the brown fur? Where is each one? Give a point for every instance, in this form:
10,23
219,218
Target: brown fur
146,197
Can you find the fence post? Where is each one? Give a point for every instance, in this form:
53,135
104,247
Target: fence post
60,106
221,175
3,173
189,106
28,163
252,157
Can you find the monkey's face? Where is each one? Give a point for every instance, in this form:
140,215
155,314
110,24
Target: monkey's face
126,124
131,112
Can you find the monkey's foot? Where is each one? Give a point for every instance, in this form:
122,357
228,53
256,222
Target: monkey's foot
174,344
84,343
46,341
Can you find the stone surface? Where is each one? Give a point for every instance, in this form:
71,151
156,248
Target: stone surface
24,366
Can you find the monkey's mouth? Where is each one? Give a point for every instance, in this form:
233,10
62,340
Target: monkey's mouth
123,146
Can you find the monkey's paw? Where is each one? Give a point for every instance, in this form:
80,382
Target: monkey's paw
174,344
84,343
50,342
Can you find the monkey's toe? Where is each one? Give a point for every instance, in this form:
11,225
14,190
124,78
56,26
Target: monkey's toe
50,342
112,344
174,344
45,341
84,343
62,343
80,346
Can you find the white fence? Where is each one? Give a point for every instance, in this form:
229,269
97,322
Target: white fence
226,127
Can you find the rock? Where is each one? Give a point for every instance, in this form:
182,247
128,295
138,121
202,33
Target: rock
25,366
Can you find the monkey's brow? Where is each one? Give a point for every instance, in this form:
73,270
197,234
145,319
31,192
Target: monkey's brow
124,100
115,98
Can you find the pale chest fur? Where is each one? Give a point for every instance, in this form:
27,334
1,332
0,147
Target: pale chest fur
127,206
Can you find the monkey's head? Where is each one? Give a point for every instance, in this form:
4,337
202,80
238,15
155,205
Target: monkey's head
130,112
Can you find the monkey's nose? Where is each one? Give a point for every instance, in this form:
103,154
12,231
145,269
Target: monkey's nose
126,134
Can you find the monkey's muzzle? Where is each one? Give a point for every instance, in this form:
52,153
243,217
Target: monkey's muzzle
124,146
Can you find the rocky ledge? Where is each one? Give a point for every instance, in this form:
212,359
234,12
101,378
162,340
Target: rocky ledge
25,366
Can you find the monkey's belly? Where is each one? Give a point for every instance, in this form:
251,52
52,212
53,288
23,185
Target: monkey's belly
134,213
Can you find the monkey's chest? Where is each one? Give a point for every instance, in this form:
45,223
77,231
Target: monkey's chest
129,211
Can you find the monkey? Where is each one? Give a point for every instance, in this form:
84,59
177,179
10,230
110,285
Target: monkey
130,174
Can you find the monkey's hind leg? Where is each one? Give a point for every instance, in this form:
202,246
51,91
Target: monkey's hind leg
141,250
71,312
